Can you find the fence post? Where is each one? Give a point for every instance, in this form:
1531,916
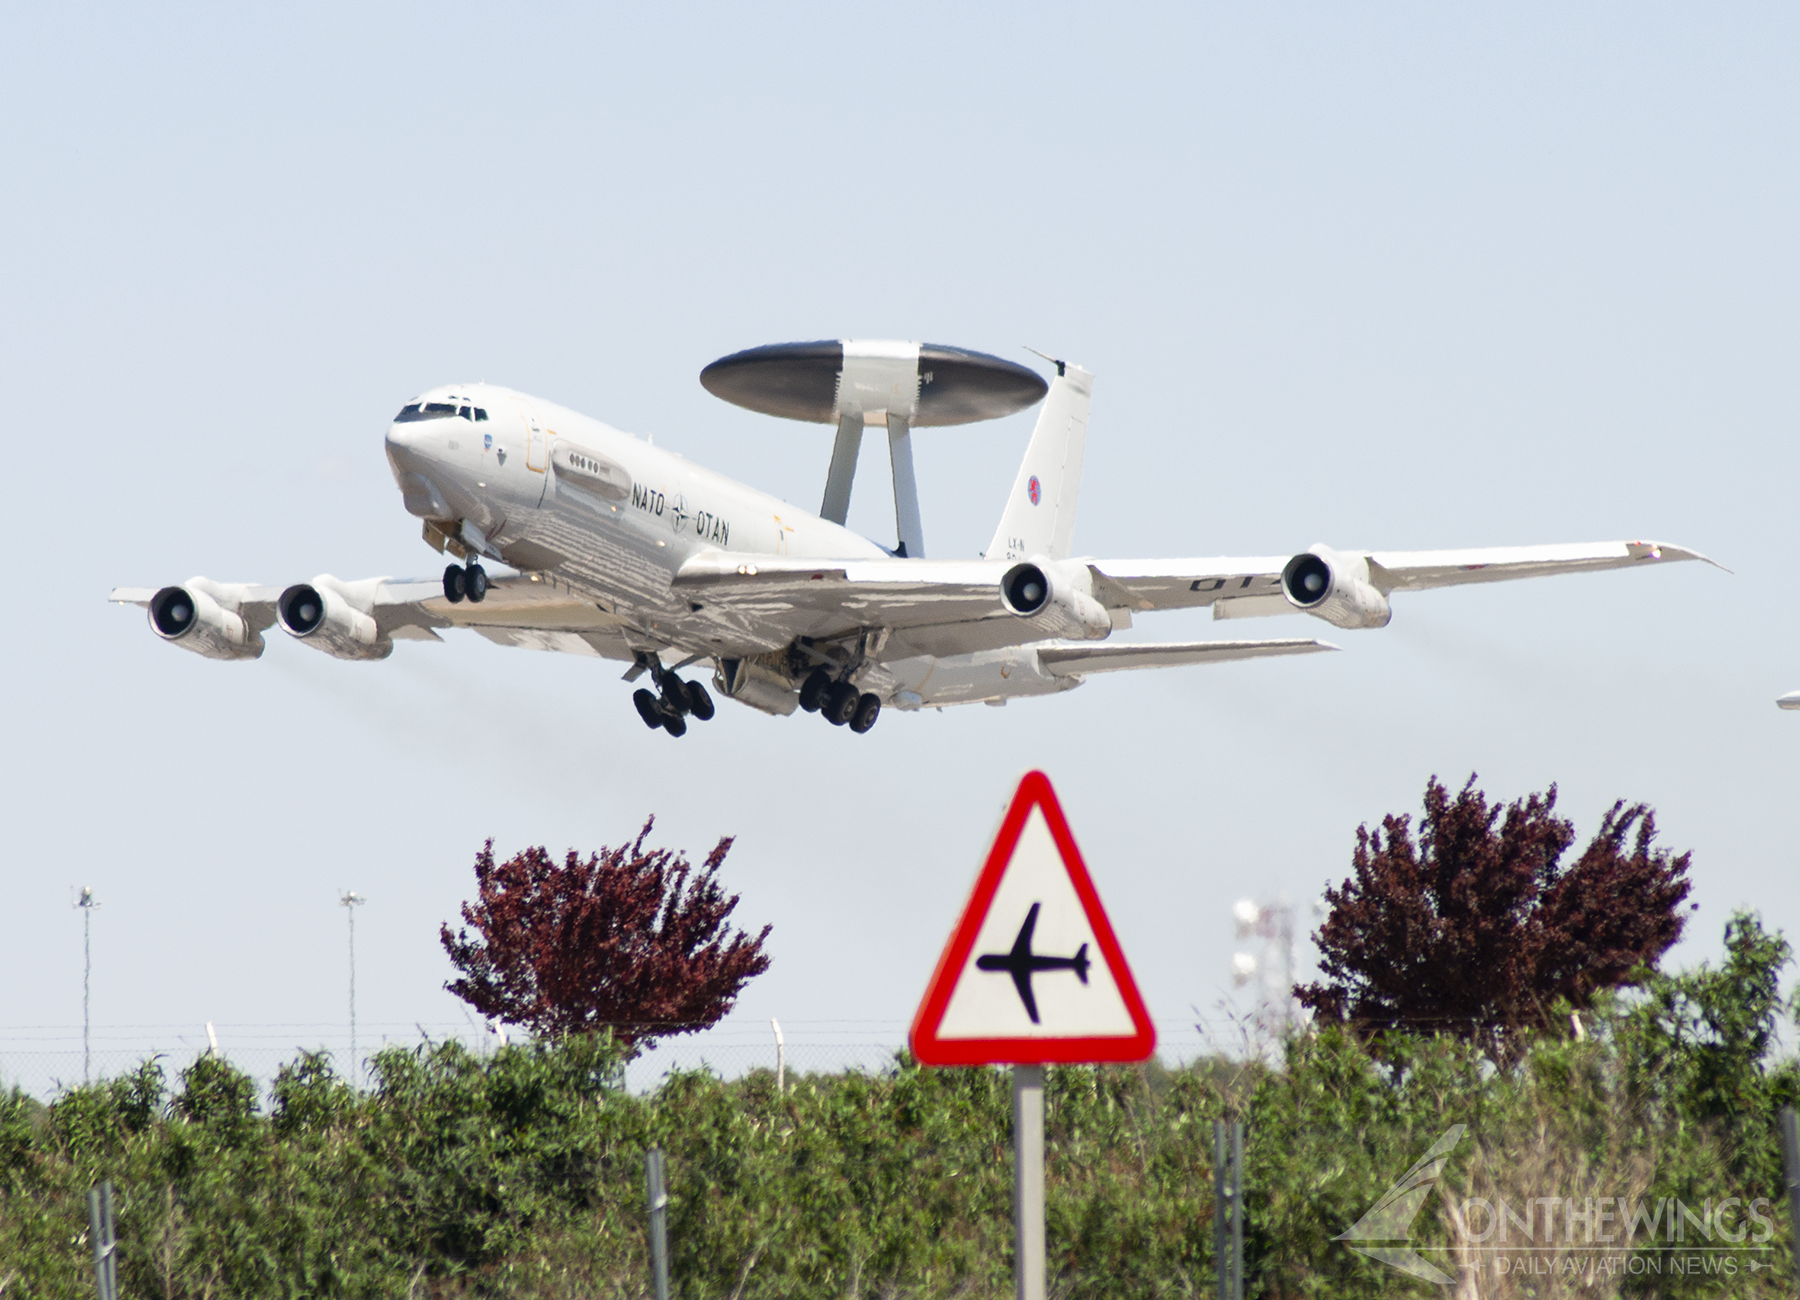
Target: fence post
1790,1167
1228,1207
1221,1241
1237,1209
100,1231
659,1222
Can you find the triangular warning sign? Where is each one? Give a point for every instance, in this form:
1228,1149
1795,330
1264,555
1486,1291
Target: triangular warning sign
1033,973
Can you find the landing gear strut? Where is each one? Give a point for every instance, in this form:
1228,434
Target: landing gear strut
673,701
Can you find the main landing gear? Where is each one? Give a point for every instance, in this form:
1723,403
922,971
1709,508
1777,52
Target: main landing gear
469,583
672,703
839,703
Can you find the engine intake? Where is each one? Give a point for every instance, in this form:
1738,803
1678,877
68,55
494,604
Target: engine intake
1335,588
322,614
1039,591
203,617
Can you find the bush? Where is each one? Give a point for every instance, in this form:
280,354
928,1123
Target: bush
522,1173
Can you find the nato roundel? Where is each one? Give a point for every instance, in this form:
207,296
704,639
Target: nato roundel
927,384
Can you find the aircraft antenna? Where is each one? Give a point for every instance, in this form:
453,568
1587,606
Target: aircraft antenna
1061,366
350,901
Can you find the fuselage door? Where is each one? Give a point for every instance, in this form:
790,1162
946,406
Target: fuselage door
536,450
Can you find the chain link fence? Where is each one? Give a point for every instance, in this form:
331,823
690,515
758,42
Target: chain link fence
46,1061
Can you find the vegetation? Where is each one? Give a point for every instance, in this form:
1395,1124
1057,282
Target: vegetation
521,1173
1478,928
629,941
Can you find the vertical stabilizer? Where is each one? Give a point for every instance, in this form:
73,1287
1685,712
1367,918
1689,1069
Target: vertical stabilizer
1040,513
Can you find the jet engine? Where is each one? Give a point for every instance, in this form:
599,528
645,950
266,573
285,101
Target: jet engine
205,617
1335,588
336,617
1040,591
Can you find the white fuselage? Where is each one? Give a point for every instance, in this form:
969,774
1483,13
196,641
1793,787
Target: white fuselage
521,482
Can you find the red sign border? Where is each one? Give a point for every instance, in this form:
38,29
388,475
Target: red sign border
1034,791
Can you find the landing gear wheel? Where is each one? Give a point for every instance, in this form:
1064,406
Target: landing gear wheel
453,584
812,690
475,583
647,708
675,725
868,708
840,703
700,703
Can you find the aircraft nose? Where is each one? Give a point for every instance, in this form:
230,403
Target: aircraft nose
416,444
405,437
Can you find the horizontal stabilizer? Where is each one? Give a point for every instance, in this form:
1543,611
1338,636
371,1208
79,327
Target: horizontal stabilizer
1078,660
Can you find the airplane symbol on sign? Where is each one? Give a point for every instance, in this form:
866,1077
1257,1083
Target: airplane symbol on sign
1021,963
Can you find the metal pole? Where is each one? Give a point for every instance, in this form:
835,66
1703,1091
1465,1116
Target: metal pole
1228,1207
350,912
659,1221
87,969
1790,1166
1221,1238
349,902
1237,1210
780,1059
87,903
1028,1180
100,1232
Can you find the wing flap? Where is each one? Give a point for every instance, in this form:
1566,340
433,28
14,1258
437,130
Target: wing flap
896,593
1184,584
514,601
1074,660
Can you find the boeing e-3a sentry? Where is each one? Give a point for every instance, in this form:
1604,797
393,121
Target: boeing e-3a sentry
623,550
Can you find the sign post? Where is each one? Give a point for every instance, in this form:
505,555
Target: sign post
1028,1180
1033,975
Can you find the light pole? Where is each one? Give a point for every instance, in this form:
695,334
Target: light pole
87,903
350,902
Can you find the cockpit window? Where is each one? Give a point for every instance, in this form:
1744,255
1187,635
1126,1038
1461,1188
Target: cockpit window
439,411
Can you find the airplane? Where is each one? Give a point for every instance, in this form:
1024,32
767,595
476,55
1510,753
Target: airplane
625,550
1021,963
1789,701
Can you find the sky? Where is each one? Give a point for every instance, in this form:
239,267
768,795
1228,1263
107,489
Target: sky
1398,276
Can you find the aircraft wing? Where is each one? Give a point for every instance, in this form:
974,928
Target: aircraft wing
519,610
1241,588
1077,659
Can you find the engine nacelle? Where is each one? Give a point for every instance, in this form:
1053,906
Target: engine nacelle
336,617
1040,591
1335,588
204,617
